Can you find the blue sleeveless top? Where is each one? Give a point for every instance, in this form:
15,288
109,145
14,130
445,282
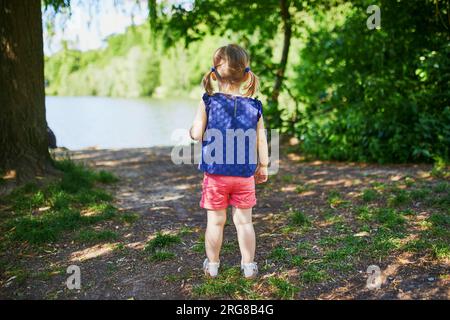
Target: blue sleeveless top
231,121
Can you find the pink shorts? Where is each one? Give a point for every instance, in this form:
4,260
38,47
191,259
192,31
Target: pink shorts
221,191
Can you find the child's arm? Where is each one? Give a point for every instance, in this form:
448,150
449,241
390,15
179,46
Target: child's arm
199,125
262,174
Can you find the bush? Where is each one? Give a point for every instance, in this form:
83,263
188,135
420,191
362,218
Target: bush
376,95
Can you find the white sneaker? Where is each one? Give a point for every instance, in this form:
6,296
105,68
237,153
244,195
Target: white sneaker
211,268
250,270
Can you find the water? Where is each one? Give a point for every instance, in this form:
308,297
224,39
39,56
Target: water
112,123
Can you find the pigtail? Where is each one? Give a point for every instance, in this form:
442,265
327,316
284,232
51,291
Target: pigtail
207,83
252,85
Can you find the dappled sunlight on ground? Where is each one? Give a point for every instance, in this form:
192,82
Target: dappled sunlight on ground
319,226
92,252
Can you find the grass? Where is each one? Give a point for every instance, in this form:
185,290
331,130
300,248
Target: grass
44,215
77,176
230,247
230,283
302,188
363,213
158,247
283,289
328,241
49,227
299,219
129,217
279,254
440,169
160,256
288,178
335,199
47,274
161,241
314,257
199,246
36,216
297,261
184,231
18,275
442,187
369,195
409,181
390,218
419,194
106,177
440,220
333,218
313,274
342,256
434,239
398,198
382,244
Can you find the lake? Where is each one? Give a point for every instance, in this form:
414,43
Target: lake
112,123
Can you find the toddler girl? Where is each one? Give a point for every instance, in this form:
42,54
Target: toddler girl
234,154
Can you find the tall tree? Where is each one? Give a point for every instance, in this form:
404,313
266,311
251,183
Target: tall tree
256,24
23,142
23,139
248,20
286,22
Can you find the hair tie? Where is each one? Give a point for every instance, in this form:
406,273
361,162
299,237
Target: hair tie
247,70
213,69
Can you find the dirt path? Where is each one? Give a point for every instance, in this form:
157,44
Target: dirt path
165,196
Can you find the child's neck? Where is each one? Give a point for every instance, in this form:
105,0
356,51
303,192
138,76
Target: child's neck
230,90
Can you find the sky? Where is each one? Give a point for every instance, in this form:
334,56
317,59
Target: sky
91,21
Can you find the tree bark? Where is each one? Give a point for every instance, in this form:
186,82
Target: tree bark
287,34
23,138
273,114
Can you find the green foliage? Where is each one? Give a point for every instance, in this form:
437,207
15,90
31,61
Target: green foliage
349,93
129,66
56,4
376,95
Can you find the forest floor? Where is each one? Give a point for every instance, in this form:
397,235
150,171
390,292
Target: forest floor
319,226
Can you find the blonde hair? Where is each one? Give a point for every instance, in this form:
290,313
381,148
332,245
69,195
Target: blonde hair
234,64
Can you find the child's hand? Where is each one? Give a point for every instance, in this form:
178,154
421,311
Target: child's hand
261,175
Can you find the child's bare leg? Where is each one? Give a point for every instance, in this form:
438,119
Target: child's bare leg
242,219
214,234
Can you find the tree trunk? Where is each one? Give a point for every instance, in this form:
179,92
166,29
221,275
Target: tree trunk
274,112
23,138
287,32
